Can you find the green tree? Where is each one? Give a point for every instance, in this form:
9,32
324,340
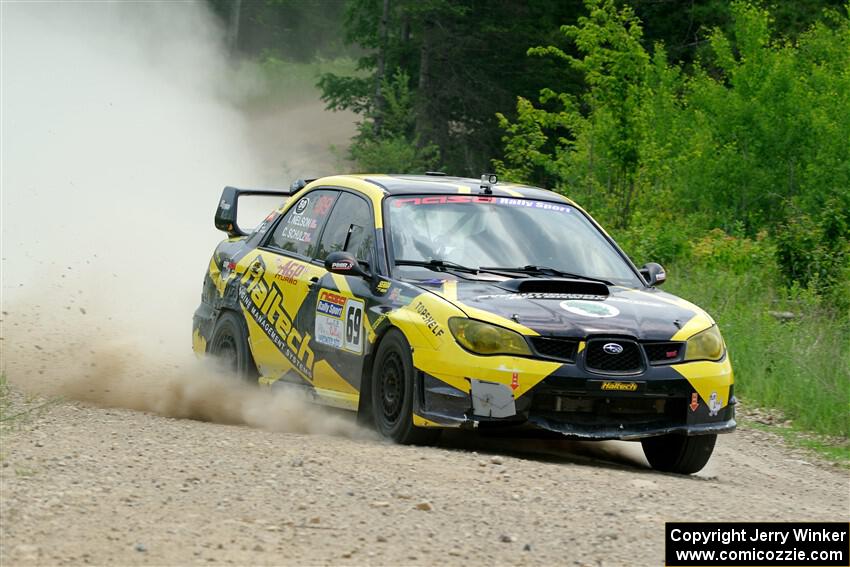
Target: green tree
465,59
754,137
593,141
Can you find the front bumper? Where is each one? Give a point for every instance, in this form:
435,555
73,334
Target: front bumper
572,402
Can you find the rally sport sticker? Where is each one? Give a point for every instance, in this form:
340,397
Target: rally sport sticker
339,321
589,308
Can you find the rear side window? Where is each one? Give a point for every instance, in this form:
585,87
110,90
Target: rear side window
350,228
299,229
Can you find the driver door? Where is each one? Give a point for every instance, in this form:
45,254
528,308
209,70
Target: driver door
338,318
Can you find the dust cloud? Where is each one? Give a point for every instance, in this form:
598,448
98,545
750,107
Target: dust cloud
120,124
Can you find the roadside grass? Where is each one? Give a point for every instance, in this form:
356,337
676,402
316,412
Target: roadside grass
835,449
14,415
5,401
800,365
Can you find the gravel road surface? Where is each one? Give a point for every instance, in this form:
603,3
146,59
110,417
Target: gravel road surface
88,485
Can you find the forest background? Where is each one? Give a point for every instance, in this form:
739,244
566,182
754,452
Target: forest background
710,136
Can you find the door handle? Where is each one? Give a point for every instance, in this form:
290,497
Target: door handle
313,281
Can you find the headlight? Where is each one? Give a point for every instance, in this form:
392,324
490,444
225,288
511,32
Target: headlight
707,345
484,338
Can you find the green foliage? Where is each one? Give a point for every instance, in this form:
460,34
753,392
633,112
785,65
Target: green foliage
394,147
393,155
597,146
466,60
801,365
815,254
294,30
293,81
753,139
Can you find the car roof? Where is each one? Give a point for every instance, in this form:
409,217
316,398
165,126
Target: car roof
447,185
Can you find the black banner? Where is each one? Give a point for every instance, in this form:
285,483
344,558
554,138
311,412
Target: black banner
757,544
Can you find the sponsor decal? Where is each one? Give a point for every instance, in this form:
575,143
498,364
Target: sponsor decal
330,304
339,321
323,205
505,201
612,348
328,331
694,401
382,286
394,294
378,322
302,205
293,229
442,200
619,386
515,381
714,404
541,296
302,221
589,308
289,271
638,302
224,205
343,265
428,319
264,303
528,204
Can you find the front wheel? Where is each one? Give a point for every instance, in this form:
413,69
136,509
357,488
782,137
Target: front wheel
392,393
678,453
229,345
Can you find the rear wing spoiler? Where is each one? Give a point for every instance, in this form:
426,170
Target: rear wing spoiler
228,204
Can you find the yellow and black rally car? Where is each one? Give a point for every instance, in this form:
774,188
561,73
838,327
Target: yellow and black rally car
430,302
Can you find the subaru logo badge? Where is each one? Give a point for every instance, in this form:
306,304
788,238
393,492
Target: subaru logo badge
612,348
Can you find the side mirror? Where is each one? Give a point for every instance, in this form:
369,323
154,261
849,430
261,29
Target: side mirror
653,273
345,264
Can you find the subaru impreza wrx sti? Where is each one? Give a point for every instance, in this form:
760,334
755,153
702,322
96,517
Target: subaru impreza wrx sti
432,302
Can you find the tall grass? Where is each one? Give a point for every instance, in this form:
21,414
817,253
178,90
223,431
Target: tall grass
800,365
296,82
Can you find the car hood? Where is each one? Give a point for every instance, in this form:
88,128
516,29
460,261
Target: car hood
645,314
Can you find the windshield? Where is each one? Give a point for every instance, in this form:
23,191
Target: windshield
484,231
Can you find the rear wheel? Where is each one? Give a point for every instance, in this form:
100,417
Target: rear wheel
678,453
392,393
229,345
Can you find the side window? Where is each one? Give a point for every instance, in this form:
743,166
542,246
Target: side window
298,230
350,228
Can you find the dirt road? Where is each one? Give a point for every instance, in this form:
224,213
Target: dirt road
86,485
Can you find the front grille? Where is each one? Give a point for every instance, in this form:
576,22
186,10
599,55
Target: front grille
558,349
627,411
664,353
602,356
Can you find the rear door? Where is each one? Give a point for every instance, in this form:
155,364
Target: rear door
276,281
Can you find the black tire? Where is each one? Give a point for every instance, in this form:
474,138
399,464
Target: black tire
229,345
392,393
678,453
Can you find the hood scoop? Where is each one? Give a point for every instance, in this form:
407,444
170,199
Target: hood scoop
555,286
